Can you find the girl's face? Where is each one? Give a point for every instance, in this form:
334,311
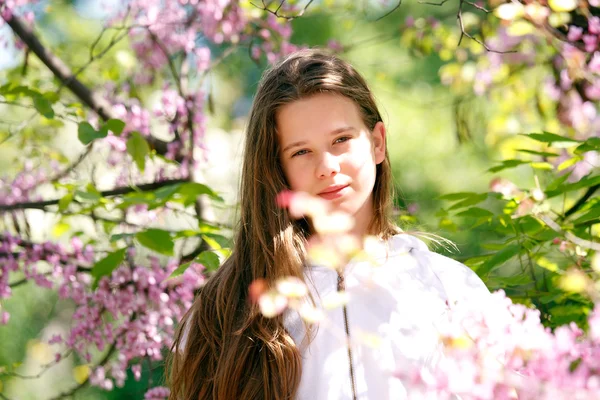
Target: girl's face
327,151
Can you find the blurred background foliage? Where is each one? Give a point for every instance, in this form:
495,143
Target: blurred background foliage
443,138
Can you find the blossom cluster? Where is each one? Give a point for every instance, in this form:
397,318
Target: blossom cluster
501,350
131,313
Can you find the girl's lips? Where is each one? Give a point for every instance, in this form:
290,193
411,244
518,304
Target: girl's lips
334,194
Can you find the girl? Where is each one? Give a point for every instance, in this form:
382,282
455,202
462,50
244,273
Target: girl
314,127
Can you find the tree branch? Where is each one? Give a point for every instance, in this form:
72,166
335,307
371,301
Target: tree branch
391,11
95,102
25,280
276,13
590,191
104,360
463,32
586,244
41,205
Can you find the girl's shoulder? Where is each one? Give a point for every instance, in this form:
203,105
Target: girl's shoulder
458,281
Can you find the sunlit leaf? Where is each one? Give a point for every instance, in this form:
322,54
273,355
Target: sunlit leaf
65,201
80,195
188,192
470,201
583,183
591,144
116,126
209,259
538,153
43,106
81,373
60,229
475,212
87,134
591,215
181,269
119,236
547,264
568,163
138,149
520,28
458,196
107,265
158,240
541,165
498,259
553,139
506,164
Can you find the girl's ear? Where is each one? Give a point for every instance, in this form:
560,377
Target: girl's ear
378,138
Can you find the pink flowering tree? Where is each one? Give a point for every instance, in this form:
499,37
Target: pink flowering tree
108,255
94,227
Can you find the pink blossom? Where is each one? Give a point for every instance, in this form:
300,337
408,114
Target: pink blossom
157,393
594,25
591,42
575,33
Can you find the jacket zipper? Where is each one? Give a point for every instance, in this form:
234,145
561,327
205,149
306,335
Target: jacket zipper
341,286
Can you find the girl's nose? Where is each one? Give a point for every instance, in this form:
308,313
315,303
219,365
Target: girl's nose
328,166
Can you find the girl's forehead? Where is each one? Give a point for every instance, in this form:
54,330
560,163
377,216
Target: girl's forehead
320,113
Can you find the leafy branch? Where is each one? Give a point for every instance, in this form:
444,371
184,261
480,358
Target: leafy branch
41,205
64,74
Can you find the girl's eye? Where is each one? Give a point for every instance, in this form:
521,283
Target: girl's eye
342,139
299,153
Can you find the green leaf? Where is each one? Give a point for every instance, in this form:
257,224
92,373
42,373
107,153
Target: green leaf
107,265
457,196
591,144
552,139
541,165
191,190
52,97
137,198
552,297
87,134
470,201
592,214
557,182
61,228
209,259
568,163
138,148
165,193
64,202
506,164
80,195
118,236
583,183
512,280
475,212
498,259
180,270
153,199
547,264
116,126
157,240
216,241
43,106
538,153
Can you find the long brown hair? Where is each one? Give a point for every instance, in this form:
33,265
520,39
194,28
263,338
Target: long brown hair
224,348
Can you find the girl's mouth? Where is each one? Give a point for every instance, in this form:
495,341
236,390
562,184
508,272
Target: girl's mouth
333,192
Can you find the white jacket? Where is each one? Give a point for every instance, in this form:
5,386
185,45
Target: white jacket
392,311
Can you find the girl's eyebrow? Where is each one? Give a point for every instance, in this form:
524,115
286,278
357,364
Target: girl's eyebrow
333,132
